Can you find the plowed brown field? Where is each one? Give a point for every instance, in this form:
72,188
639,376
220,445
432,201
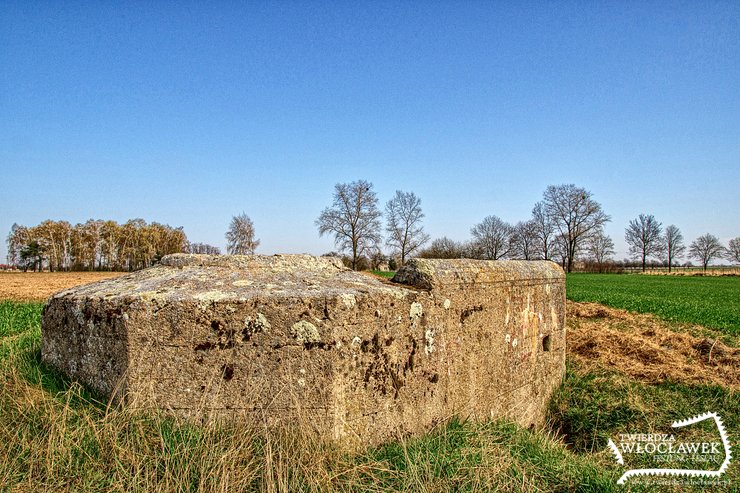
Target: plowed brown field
38,286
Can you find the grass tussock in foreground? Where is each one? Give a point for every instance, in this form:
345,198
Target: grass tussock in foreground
55,436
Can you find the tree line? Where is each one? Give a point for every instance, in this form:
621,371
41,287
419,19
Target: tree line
110,246
646,240
565,226
566,221
93,245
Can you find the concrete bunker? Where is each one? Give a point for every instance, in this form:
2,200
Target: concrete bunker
295,337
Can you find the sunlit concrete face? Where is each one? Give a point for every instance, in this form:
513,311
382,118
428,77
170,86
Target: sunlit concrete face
295,338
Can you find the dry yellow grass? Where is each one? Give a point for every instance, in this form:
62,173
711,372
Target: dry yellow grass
645,348
38,286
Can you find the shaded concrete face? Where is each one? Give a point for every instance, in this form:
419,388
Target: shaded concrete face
298,338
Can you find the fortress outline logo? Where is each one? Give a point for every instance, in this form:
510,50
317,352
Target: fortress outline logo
665,445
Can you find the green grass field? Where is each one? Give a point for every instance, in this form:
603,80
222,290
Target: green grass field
710,301
55,436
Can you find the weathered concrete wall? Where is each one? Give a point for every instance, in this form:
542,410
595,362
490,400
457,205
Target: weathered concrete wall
295,337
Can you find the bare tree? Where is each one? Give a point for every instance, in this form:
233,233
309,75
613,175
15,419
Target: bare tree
600,248
644,236
733,250
470,249
673,242
353,218
493,237
443,248
526,240
559,249
16,240
403,216
545,230
376,258
576,216
240,236
705,248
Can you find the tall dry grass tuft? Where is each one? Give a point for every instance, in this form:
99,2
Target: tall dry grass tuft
55,436
65,440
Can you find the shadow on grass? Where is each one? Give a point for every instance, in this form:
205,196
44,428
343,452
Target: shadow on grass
56,384
20,349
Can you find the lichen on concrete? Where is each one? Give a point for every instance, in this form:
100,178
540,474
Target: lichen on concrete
416,272
429,341
416,310
305,332
257,324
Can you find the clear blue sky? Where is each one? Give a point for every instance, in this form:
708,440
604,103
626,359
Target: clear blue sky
189,113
